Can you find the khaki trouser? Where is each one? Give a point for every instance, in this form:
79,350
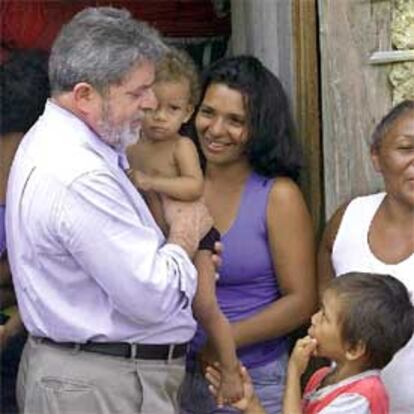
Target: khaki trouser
57,380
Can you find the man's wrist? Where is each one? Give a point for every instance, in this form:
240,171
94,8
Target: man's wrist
184,240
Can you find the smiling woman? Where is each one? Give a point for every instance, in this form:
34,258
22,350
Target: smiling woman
375,233
222,108
266,284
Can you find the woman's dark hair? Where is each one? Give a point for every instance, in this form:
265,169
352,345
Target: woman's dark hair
272,149
388,121
24,89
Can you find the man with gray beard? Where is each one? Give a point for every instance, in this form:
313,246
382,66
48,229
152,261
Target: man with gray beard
105,297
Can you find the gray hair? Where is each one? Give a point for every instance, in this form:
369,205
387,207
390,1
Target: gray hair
389,120
100,46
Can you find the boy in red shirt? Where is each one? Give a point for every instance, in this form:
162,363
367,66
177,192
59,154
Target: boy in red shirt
363,321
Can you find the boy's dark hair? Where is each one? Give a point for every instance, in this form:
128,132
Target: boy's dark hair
388,121
272,149
377,311
24,89
177,65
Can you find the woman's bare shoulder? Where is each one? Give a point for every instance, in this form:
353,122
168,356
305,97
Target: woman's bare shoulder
285,190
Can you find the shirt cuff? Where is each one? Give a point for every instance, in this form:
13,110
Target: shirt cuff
184,268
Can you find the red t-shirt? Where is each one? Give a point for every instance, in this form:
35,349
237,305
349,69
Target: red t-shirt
364,391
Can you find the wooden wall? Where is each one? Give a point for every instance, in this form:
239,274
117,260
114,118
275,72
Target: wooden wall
355,94
261,28
283,34
305,42
307,107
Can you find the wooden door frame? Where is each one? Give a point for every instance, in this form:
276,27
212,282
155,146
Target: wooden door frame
307,105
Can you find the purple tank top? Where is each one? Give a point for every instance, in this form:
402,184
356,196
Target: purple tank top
2,230
247,281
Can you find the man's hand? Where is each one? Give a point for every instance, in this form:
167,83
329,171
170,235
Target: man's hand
188,223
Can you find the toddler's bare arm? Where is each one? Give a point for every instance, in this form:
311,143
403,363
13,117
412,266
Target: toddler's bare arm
218,329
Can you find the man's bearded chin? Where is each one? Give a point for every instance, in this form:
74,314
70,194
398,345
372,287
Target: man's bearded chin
118,137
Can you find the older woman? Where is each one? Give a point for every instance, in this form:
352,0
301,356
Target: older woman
375,234
266,286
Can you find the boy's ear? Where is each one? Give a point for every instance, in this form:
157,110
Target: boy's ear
356,351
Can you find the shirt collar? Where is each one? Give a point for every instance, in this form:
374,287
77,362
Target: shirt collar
123,161
319,392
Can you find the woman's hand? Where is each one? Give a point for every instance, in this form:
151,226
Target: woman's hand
249,404
4,337
217,257
231,386
14,326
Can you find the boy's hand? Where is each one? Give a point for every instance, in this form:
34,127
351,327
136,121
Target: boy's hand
303,350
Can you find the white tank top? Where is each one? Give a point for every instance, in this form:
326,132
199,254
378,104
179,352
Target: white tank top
350,253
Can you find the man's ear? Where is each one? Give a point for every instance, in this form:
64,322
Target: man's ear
86,98
356,351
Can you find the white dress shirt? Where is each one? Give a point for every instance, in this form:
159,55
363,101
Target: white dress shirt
88,260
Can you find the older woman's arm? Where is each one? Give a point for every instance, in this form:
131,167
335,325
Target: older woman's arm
291,241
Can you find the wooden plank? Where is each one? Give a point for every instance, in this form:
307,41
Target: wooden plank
263,28
307,103
283,34
391,56
355,94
